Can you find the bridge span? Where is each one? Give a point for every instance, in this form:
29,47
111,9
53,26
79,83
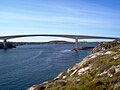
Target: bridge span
76,37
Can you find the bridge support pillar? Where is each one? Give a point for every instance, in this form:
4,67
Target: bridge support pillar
4,44
76,43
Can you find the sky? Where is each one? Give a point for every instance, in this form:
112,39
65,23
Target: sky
75,17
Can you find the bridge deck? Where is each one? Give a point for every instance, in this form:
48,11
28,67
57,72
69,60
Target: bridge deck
76,37
55,35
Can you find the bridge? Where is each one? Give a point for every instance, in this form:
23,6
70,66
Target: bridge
75,37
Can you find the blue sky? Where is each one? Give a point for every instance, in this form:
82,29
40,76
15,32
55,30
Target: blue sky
77,17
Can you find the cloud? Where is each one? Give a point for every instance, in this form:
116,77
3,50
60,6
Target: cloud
71,20
87,14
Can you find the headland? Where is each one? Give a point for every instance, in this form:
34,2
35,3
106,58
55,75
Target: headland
98,71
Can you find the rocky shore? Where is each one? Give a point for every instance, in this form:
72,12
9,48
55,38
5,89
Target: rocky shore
9,45
98,71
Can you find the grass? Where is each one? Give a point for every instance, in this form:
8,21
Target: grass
90,81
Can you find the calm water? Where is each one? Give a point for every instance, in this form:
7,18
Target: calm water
32,64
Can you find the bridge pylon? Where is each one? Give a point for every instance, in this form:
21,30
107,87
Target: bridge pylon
76,43
5,44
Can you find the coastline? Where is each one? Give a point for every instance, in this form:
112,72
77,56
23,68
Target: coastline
81,65
88,70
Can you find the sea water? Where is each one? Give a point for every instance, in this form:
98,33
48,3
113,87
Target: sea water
27,65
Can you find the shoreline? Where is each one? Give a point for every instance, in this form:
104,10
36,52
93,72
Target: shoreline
74,75
61,75
15,44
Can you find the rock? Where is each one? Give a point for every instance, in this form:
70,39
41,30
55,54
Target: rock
117,86
102,67
87,60
60,82
78,80
38,87
111,70
82,70
110,75
31,88
109,52
102,74
73,72
60,75
64,77
116,57
68,71
117,69
41,88
98,48
92,56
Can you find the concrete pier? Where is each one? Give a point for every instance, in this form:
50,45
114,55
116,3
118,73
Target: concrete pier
4,44
76,43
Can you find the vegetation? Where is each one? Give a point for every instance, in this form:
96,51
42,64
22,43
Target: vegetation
91,80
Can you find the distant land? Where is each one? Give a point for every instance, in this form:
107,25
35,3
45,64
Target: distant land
14,44
53,42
